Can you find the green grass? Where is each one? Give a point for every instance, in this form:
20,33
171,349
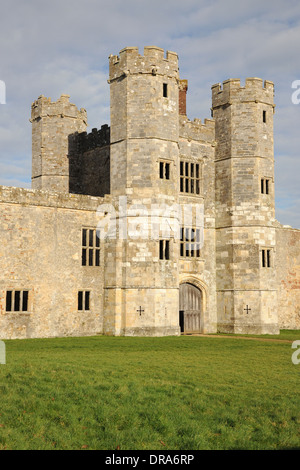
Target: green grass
179,393
287,335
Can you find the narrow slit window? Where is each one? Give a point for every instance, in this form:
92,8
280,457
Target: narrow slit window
80,300
181,185
264,116
267,186
167,171
165,90
25,301
263,258
87,300
268,258
91,237
161,249
161,170
17,301
9,301
91,256
97,261
167,249
83,257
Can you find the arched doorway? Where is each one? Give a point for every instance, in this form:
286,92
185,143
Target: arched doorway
190,308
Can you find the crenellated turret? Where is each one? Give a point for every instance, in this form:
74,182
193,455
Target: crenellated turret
144,170
52,124
245,208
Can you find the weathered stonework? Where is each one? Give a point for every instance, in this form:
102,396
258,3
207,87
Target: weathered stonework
244,277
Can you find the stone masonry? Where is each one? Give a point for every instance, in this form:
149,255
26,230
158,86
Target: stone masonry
155,225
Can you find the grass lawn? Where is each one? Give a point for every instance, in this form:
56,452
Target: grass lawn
178,393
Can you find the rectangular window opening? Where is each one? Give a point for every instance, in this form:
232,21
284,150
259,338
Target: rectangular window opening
90,253
264,116
91,257
17,301
97,257
263,258
190,177
164,170
87,300
161,249
80,300
167,173
167,249
267,186
25,301
268,258
161,170
165,90
164,249
190,242
9,301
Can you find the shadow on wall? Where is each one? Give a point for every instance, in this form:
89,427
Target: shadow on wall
89,162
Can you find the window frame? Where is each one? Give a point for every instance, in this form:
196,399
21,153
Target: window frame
265,186
190,177
164,250
90,247
190,242
267,257
19,298
84,300
164,170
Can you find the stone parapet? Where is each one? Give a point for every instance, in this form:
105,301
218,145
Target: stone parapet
45,107
35,197
254,90
153,62
196,130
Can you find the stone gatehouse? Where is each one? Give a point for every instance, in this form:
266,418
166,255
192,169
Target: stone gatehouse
154,225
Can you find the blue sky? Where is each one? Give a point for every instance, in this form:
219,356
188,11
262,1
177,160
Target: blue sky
63,46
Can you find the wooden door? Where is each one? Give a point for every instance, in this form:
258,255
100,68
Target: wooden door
190,306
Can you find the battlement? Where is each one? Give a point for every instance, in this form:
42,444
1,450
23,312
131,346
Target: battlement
255,89
82,142
43,107
196,130
153,62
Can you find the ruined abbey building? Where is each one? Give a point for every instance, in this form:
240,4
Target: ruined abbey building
58,278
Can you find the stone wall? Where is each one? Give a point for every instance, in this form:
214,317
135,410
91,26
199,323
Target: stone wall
288,276
89,162
41,243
